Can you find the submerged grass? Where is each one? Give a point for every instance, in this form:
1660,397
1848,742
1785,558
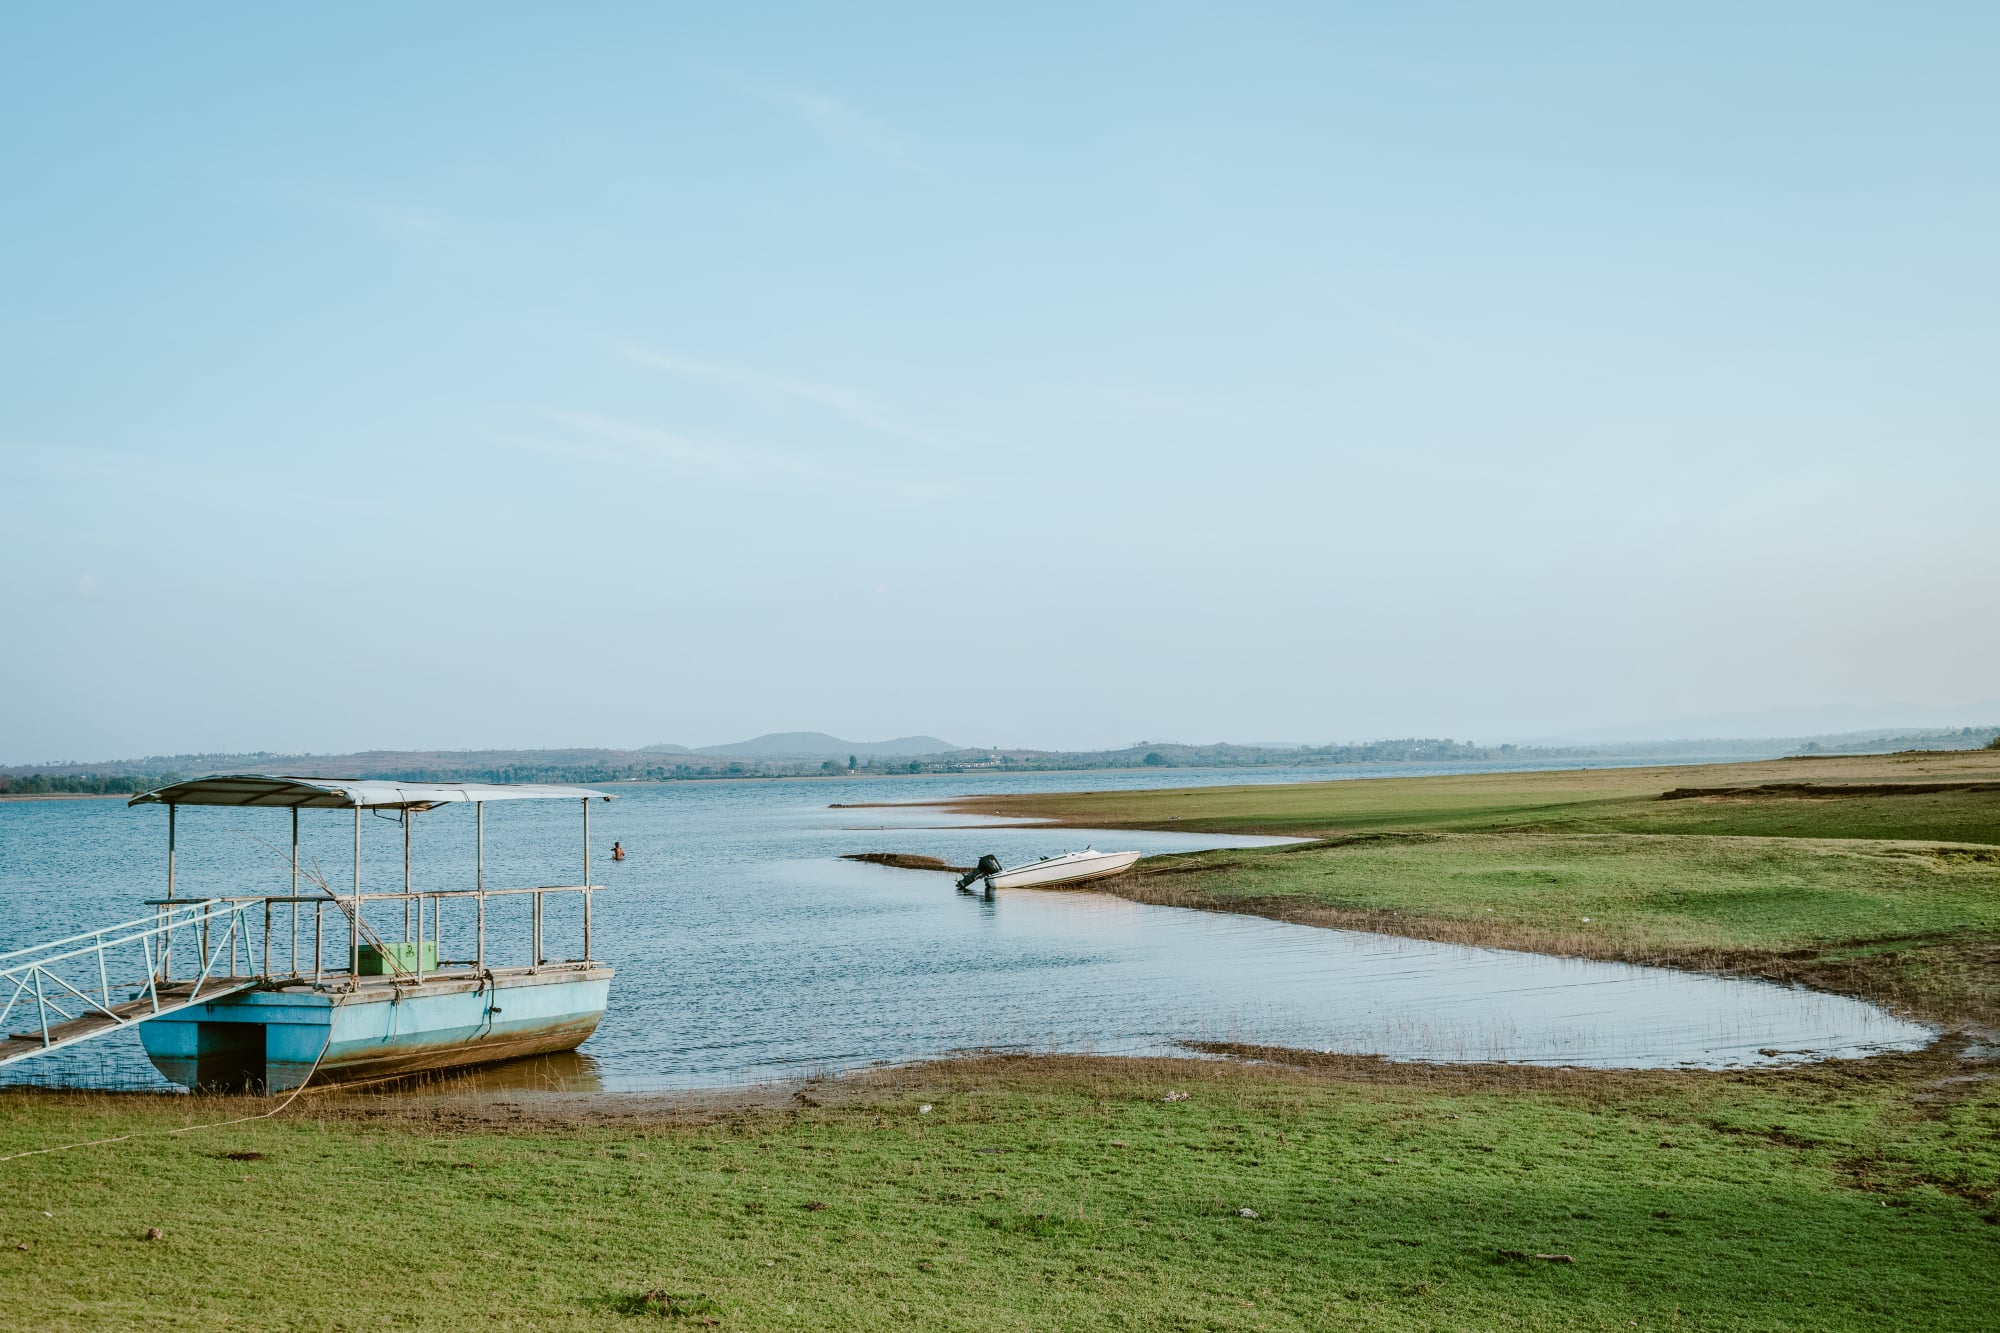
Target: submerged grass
1050,1193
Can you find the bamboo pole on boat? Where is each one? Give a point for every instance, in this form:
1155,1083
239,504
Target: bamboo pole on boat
409,826
479,815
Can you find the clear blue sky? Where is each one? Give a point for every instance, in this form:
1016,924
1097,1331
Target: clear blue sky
477,375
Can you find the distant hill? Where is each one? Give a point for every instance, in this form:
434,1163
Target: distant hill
819,745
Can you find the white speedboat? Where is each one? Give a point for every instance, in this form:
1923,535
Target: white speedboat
1069,868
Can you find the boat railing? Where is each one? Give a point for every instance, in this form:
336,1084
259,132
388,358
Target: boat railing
196,949
294,939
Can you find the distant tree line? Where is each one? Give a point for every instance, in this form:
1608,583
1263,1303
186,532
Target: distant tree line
611,766
1941,738
653,768
82,784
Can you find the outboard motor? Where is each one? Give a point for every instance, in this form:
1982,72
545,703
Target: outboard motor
989,864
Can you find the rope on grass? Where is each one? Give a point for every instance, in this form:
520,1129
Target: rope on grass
185,1129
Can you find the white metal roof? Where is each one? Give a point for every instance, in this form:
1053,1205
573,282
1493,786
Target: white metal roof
257,789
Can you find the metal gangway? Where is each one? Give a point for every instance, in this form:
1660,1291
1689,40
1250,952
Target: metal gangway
66,991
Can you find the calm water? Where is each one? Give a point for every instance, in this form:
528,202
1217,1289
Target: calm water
747,950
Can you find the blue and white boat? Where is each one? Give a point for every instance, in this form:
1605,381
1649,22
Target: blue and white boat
321,995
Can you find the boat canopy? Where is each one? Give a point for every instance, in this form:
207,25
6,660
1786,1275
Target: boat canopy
256,789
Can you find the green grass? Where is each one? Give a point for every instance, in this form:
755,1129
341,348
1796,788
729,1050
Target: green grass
1643,893
1575,800
1064,1193
1046,1194
1970,817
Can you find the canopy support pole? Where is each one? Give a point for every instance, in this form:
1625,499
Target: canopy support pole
295,890
167,942
586,879
354,917
409,817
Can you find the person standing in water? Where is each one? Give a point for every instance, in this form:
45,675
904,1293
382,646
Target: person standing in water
618,851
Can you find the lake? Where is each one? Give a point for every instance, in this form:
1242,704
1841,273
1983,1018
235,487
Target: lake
747,950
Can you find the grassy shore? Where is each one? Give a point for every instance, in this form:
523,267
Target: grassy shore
1875,875
1053,1193
1075,1193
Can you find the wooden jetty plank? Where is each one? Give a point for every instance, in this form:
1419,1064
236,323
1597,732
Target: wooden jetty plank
175,996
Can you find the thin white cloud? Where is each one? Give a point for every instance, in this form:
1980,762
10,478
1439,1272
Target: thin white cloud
389,218
661,444
628,441
829,118
856,407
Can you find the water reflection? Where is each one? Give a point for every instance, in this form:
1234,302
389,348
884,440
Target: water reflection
560,1071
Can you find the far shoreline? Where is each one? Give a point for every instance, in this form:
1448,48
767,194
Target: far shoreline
844,775
64,795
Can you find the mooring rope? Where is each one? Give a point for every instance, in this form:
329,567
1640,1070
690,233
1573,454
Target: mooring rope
188,1129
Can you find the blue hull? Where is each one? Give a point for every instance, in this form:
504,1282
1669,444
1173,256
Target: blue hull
278,1038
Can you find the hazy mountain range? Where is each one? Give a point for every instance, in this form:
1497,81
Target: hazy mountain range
814,745
812,753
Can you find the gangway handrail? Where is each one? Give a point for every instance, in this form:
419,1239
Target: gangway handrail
33,975
147,923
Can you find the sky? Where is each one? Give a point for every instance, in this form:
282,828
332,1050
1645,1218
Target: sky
456,376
